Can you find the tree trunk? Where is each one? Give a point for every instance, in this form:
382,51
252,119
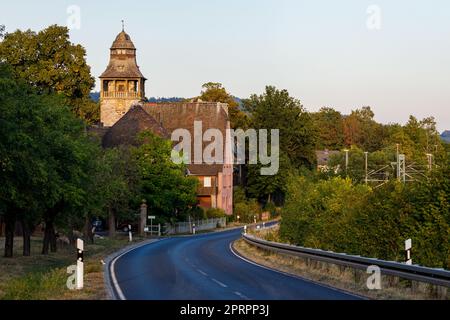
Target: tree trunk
1,226
10,222
53,247
46,241
49,238
26,234
49,233
88,230
112,223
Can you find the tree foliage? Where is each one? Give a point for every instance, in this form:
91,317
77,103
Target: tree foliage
338,215
329,125
276,109
163,184
49,62
215,92
44,153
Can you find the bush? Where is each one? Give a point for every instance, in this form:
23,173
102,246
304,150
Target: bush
198,213
340,216
246,210
213,213
271,208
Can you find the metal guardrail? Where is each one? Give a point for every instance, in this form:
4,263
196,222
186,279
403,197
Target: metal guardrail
440,277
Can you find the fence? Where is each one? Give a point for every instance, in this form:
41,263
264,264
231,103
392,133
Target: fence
200,225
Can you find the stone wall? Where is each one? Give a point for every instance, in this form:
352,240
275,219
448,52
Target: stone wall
111,110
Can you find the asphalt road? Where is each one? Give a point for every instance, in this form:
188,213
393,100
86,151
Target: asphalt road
204,267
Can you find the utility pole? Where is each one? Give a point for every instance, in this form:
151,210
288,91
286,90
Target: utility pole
398,161
366,154
401,165
143,222
346,161
430,161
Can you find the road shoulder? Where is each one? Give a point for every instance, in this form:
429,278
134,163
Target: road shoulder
348,281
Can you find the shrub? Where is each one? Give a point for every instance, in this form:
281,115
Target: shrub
246,210
212,213
338,215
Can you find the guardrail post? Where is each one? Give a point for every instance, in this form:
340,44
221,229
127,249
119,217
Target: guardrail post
408,247
80,264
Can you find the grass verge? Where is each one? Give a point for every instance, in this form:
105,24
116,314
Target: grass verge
346,279
44,277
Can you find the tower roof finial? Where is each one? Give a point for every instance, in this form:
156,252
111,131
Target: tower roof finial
123,25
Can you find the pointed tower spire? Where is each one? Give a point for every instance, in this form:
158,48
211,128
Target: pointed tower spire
123,25
122,83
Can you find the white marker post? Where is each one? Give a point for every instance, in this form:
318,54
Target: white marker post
408,246
245,229
80,264
130,235
151,224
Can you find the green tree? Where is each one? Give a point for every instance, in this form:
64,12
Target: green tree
117,182
276,109
164,184
330,127
215,92
43,155
48,61
362,130
268,189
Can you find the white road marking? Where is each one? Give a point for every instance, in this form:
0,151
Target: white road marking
112,270
203,273
114,279
219,283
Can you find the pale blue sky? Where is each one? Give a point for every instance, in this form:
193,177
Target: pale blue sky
321,51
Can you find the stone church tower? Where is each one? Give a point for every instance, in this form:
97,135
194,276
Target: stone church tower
122,83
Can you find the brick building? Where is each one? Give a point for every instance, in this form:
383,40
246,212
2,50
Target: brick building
124,113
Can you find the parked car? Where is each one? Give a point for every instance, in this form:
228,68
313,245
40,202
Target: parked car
98,225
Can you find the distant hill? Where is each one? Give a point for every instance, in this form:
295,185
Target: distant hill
446,136
96,97
171,99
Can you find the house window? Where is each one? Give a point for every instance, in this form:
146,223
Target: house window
207,182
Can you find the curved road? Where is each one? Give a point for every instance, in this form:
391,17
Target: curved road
204,267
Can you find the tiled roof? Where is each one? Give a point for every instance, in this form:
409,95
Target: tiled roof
127,129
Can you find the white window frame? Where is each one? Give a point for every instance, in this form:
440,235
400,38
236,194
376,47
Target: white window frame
207,182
